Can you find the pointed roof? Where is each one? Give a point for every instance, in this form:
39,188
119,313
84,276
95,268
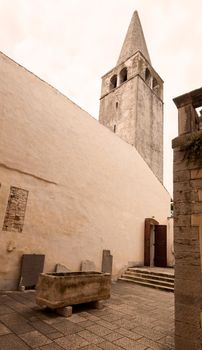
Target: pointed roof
134,40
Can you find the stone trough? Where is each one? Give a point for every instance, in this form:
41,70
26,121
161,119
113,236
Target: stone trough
59,290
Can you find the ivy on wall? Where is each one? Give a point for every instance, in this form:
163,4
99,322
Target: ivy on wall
193,150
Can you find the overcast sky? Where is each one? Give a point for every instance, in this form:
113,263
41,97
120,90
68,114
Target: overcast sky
72,43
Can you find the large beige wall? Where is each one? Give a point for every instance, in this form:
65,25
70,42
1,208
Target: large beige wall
88,189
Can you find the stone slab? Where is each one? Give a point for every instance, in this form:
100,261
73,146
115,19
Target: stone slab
61,268
32,266
107,261
88,265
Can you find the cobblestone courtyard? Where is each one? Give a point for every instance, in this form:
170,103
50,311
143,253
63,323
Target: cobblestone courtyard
135,318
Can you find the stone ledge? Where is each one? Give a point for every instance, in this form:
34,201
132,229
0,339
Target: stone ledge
182,140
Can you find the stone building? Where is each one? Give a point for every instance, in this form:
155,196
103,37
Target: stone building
131,103
69,187
188,222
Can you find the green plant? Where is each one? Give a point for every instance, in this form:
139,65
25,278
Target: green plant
193,150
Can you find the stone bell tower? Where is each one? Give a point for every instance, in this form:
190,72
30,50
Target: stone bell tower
131,103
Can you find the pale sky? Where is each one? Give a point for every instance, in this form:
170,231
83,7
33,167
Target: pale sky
72,43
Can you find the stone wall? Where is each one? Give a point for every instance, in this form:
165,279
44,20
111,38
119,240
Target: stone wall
86,189
134,109
188,225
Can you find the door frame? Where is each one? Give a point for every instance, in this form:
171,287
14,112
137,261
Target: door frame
148,226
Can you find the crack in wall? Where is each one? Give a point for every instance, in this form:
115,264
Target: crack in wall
27,173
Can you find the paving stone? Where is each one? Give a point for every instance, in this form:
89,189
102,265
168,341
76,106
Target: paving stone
99,330
51,346
11,318
12,342
84,314
148,333
169,341
55,335
43,327
4,329
51,319
132,312
103,312
129,344
113,336
90,337
4,299
77,319
91,347
152,345
107,325
86,324
109,346
35,339
71,342
112,317
67,327
20,328
123,323
4,309
92,318
126,333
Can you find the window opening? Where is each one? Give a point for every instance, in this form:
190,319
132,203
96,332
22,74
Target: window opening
113,82
123,75
148,77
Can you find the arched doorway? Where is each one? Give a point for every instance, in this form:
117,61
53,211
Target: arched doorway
155,243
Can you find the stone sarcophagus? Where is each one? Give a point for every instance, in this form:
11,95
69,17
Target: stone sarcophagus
57,290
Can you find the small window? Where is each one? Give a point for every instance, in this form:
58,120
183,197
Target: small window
156,86
148,77
123,75
117,104
115,128
113,82
155,83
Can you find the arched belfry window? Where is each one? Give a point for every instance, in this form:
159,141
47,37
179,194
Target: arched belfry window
123,75
155,83
148,76
156,87
113,82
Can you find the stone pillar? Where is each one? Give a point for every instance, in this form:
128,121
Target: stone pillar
188,224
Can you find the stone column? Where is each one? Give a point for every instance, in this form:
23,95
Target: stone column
188,225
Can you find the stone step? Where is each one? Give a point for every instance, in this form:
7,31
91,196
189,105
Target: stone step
148,280
155,273
145,284
152,276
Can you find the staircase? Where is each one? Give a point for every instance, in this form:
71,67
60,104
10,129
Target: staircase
159,278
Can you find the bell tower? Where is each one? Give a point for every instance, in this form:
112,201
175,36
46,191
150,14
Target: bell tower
131,103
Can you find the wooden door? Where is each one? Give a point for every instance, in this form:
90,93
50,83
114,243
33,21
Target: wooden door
160,255
148,226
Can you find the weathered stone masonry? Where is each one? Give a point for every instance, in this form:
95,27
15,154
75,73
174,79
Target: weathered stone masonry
188,224
15,212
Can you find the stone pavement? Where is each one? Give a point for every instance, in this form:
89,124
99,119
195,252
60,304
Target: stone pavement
135,318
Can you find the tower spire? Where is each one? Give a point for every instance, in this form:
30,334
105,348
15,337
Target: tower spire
134,41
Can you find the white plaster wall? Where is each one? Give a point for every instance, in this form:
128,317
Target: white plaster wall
88,189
